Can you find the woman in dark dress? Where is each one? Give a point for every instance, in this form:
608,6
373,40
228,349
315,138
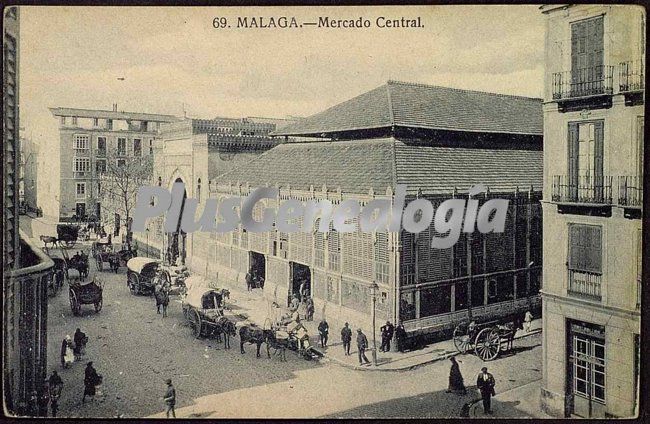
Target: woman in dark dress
91,380
456,384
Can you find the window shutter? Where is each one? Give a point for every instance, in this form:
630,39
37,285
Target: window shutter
575,35
598,149
574,239
573,160
594,251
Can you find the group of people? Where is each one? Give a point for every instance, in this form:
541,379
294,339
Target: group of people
253,280
73,349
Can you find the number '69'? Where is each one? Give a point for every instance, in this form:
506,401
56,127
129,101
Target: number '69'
220,22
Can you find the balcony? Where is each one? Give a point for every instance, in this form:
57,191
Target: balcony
631,79
585,284
584,88
25,327
630,191
587,190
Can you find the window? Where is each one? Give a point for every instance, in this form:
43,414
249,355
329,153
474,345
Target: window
80,141
109,124
589,367
74,120
198,190
586,180
159,181
137,147
585,259
81,190
121,146
101,146
63,120
81,164
151,146
587,55
121,163
95,122
100,166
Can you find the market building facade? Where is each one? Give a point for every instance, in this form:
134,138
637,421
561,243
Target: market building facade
593,171
437,141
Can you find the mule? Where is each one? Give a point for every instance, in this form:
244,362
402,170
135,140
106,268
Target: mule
254,335
162,300
227,328
48,239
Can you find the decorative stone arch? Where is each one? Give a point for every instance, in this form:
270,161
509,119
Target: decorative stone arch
178,174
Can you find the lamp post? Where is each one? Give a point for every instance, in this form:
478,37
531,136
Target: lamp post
147,231
373,294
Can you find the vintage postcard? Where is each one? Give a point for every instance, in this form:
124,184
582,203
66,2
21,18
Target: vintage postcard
323,212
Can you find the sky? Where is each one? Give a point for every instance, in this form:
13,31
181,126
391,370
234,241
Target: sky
172,59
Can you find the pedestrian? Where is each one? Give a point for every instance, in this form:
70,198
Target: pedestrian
91,380
386,336
67,354
485,383
55,386
310,309
323,331
80,341
456,383
346,338
528,318
249,281
170,399
400,335
362,345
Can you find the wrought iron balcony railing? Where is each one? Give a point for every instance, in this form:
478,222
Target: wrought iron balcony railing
583,82
631,75
630,191
583,189
585,284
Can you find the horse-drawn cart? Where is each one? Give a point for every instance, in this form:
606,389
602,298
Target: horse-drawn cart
203,308
141,273
67,234
86,294
486,339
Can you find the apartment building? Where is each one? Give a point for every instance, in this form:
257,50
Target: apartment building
88,140
593,170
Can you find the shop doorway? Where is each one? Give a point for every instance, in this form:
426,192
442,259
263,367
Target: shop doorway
586,369
300,284
257,269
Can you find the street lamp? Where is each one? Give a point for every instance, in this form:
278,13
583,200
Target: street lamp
147,231
373,294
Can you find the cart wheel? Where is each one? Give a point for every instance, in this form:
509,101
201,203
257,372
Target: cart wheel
98,305
74,303
487,344
195,323
132,282
462,341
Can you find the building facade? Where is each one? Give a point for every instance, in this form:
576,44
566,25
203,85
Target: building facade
362,149
195,151
88,140
26,270
593,171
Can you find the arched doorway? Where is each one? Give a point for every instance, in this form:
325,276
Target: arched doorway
176,241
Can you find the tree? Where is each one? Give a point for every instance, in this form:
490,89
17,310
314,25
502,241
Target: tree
119,184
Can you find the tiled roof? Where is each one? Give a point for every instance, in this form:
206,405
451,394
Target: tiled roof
357,165
429,107
110,114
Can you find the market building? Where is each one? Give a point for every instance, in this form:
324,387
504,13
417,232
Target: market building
593,170
195,151
88,140
437,141
26,269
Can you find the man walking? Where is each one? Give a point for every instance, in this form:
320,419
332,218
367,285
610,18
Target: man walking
80,341
55,385
362,345
386,336
323,331
170,399
485,383
346,337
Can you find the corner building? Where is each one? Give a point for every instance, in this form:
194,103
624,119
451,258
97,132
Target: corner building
593,171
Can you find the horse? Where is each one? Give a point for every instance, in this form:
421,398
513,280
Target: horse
80,263
59,273
254,335
227,328
162,299
278,345
48,239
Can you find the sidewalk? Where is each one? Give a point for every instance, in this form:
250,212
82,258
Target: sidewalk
253,307
520,402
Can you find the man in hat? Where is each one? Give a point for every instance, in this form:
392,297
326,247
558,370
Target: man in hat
170,398
485,383
323,331
362,345
346,337
386,335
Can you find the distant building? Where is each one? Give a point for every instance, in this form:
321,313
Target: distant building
439,142
195,151
593,172
26,269
28,174
90,138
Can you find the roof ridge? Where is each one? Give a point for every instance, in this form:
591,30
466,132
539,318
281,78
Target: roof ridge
419,84
390,107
